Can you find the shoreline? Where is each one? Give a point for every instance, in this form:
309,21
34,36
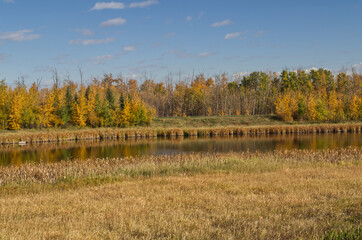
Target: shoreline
66,135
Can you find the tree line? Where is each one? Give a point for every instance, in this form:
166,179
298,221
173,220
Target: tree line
100,104
316,95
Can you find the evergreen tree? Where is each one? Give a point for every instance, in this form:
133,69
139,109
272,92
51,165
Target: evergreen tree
111,98
107,117
66,110
121,102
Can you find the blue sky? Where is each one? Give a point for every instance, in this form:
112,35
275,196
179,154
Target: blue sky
151,38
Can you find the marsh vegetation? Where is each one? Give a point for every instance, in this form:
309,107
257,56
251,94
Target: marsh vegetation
276,195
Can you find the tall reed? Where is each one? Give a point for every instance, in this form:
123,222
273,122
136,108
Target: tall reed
139,133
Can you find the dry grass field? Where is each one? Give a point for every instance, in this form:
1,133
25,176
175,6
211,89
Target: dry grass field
296,194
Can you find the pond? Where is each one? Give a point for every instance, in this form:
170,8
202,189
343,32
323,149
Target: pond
53,152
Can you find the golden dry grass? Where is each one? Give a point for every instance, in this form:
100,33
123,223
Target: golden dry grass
280,195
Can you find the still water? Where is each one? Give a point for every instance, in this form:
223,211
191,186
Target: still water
53,152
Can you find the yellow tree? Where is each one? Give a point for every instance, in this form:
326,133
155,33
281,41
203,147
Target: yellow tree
30,115
340,115
356,108
91,102
16,109
79,111
3,104
48,110
311,108
286,106
125,115
332,105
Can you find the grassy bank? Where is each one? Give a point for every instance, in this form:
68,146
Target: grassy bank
187,126
280,195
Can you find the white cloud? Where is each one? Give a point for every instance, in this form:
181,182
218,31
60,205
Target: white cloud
233,35
180,53
43,69
201,15
259,34
205,54
108,5
222,23
19,36
169,35
251,58
3,57
101,59
188,18
357,66
239,75
61,59
129,48
113,22
310,69
86,42
143,4
84,31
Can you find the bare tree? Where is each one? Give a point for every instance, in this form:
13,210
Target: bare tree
55,77
80,75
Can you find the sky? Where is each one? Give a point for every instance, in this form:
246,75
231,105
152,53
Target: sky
157,38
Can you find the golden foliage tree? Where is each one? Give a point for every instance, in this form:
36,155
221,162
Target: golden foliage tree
16,103
48,116
285,106
356,108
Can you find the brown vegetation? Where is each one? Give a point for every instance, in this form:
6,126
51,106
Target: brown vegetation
164,165
280,195
135,133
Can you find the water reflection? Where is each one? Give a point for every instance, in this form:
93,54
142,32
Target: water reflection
53,152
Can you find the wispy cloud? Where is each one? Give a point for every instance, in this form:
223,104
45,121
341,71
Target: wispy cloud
191,18
252,58
201,15
84,31
205,54
19,36
233,35
260,33
108,5
9,1
179,53
127,49
143,4
357,66
119,5
222,23
239,75
101,59
3,57
169,35
60,59
113,22
86,42
46,69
